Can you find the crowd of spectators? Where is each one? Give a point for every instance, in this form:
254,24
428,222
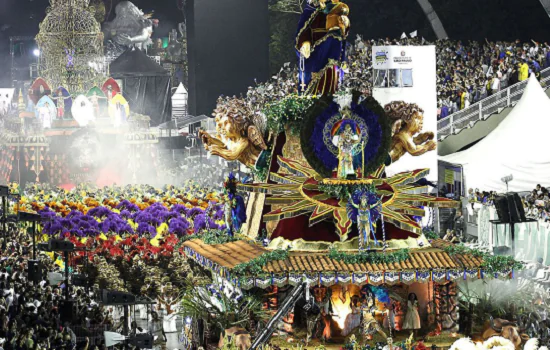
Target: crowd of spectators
483,197
470,72
537,204
467,72
209,172
31,313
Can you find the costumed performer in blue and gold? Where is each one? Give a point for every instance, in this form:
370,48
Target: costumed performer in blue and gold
321,45
234,206
364,221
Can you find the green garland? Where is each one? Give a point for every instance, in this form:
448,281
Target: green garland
288,111
210,237
491,263
344,191
261,174
499,263
369,257
430,234
256,265
459,249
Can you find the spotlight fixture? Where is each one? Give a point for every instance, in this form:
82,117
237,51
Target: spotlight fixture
507,179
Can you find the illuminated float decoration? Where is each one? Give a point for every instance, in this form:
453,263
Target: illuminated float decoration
322,207
99,102
83,111
111,88
64,103
45,111
38,89
119,110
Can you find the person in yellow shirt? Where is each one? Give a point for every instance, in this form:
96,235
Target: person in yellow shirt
523,71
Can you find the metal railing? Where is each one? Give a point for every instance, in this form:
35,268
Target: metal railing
483,109
94,333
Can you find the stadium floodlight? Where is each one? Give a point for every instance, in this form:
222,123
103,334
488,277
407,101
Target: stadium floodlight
507,179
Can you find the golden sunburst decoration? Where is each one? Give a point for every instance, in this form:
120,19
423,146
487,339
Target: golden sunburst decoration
297,192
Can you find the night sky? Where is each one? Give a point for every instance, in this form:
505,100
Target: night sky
465,19
24,16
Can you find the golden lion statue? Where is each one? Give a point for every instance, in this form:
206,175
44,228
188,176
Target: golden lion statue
239,131
408,120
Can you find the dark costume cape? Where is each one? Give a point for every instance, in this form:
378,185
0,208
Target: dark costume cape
328,49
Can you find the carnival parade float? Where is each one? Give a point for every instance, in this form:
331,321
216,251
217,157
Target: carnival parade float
320,247
334,246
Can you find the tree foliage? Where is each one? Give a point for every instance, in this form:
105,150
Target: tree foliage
287,6
211,304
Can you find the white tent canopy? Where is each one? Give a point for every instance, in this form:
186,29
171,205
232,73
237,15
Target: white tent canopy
517,147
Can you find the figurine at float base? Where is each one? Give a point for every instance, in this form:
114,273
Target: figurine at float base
240,135
369,323
347,143
353,319
320,45
412,319
408,121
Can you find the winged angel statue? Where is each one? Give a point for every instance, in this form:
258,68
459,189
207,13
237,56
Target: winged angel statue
240,133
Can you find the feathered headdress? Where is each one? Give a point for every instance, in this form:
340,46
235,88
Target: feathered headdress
230,185
373,201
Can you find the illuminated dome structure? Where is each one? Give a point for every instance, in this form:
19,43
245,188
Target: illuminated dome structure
71,46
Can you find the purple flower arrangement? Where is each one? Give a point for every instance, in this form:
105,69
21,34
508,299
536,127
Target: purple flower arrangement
76,223
127,218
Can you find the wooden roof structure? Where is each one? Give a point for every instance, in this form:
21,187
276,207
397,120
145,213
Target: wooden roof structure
229,255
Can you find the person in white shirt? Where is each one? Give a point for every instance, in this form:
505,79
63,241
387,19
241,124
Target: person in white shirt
533,51
495,85
466,99
9,300
485,68
489,73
